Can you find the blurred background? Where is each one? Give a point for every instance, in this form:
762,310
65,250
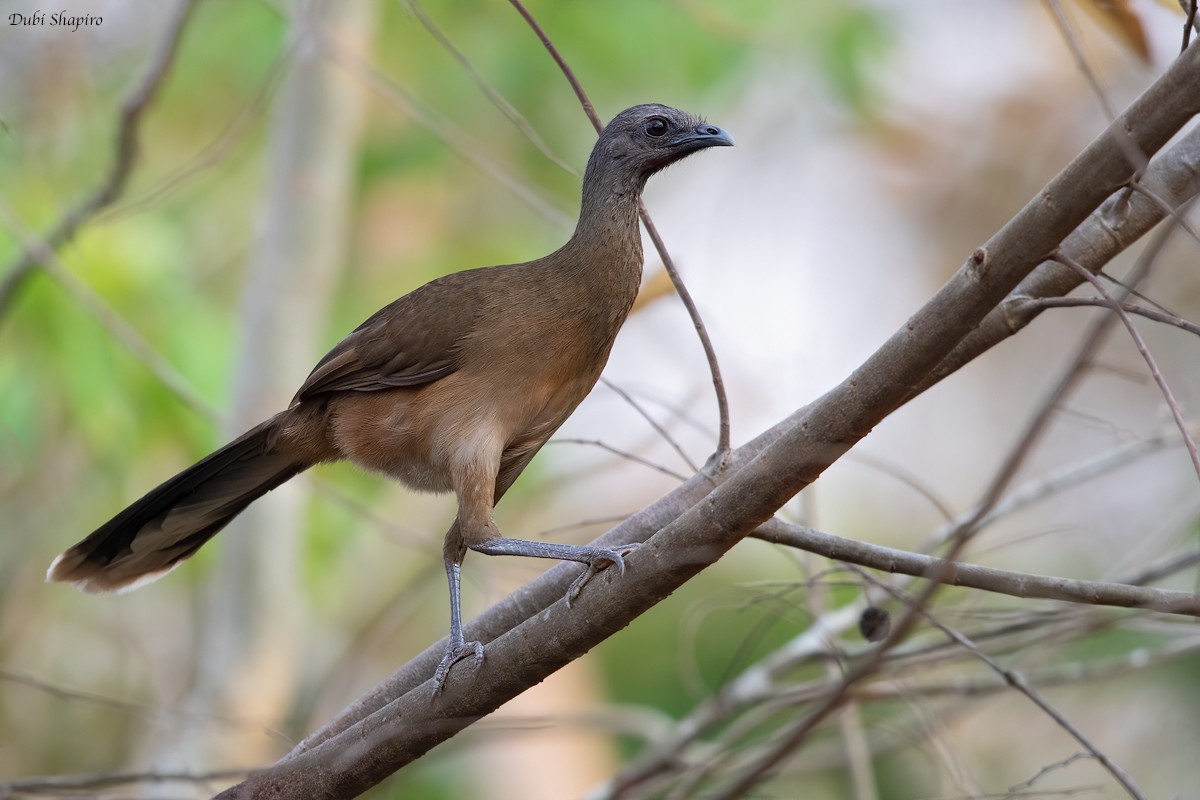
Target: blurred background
302,164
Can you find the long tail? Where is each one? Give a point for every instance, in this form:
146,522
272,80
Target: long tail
152,536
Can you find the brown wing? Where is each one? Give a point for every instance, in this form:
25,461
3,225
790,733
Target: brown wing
406,343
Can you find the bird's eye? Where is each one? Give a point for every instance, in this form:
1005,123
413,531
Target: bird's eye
657,126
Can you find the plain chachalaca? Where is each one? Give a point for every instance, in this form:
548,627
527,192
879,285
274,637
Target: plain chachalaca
453,387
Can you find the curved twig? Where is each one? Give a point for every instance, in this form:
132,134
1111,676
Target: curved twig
1128,308
1144,351
722,452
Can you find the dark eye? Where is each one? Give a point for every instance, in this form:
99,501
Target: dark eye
657,126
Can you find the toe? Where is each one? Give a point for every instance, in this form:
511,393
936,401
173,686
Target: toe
454,654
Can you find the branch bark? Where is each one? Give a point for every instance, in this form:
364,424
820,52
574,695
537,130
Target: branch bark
1001,581
532,633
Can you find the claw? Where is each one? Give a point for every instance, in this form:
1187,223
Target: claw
602,559
455,652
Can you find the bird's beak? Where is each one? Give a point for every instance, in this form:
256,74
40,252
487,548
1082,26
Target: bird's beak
705,135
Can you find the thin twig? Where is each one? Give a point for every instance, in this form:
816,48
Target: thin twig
59,784
1076,473
722,452
663,432
1144,351
1018,682
1075,301
645,462
132,707
563,67
905,477
1068,31
446,131
1169,566
117,326
1176,213
490,92
216,150
1020,789
113,184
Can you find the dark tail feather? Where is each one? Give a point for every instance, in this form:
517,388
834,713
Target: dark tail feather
152,536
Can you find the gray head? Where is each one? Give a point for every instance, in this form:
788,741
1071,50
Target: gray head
642,140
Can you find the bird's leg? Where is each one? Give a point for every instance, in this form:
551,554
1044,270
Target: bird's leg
458,648
596,558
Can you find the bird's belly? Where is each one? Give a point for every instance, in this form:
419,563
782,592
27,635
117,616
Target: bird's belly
433,437
385,432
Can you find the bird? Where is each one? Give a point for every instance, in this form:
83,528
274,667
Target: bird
453,387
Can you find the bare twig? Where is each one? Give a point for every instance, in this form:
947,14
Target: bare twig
1129,308
1067,29
652,422
1016,584
1018,682
1076,473
1165,568
68,784
634,457
1021,789
583,523
563,67
124,158
907,478
445,130
489,91
1144,351
722,452
1176,214
109,319
132,707
216,150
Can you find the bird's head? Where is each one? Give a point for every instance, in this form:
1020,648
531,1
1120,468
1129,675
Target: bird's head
642,140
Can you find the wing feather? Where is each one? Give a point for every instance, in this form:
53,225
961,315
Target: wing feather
410,342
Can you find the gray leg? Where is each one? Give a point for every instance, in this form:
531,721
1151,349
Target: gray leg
596,558
458,648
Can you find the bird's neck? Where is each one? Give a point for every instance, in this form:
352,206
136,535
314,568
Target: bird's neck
608,237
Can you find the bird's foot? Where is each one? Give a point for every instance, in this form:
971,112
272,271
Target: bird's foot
601,558
455,652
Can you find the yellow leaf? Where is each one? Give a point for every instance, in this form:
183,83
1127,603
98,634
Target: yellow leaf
1116,17
658,286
